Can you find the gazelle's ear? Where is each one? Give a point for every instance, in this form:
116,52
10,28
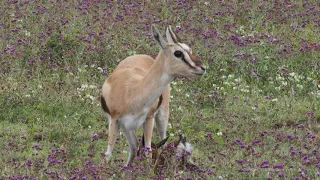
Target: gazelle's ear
172,36
158,37
159,144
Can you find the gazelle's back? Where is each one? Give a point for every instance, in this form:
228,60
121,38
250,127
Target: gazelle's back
126,74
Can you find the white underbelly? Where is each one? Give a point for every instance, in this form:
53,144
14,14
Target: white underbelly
133,122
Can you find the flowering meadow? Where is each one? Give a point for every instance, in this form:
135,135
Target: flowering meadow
255,114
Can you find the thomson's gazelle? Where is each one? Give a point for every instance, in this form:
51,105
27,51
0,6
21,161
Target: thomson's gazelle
138,90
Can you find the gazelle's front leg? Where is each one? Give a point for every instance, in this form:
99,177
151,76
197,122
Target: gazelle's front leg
113,133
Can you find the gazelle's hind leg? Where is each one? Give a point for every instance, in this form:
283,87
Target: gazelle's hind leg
133,143
162,115
113,133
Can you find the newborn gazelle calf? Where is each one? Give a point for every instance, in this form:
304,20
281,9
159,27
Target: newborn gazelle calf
176,155
137,92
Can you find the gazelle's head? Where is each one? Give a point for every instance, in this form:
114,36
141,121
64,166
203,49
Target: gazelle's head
178,56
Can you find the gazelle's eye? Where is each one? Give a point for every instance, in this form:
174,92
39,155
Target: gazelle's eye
178,54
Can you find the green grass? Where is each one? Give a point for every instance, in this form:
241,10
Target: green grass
259,100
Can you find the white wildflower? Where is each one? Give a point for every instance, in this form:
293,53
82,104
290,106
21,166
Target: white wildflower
284,83
92,87
219,133
237,80
90,97
230,76
84,86
299,86
27,33
226,83
100,69
292,74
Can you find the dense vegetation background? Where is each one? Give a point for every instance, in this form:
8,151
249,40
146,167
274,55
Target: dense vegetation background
254,115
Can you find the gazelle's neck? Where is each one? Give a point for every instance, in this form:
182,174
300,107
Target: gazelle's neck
152,85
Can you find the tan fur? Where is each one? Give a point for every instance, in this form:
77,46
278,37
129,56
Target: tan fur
192,57
126,82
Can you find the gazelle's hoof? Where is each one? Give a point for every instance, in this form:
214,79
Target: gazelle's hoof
108,157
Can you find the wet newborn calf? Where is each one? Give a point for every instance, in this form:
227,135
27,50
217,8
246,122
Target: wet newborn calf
173,157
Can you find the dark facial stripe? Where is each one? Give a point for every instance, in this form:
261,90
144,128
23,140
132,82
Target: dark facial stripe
192,57
195,59
104,105
184,60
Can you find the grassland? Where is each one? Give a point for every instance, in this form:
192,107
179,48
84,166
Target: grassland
254,115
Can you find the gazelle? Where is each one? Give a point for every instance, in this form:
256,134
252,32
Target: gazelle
138,90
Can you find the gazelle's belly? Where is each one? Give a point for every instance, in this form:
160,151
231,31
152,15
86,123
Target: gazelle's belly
134,121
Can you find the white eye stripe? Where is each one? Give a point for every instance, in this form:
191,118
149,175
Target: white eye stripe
184,47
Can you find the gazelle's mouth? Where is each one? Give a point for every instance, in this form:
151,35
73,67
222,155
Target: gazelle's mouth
199,74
